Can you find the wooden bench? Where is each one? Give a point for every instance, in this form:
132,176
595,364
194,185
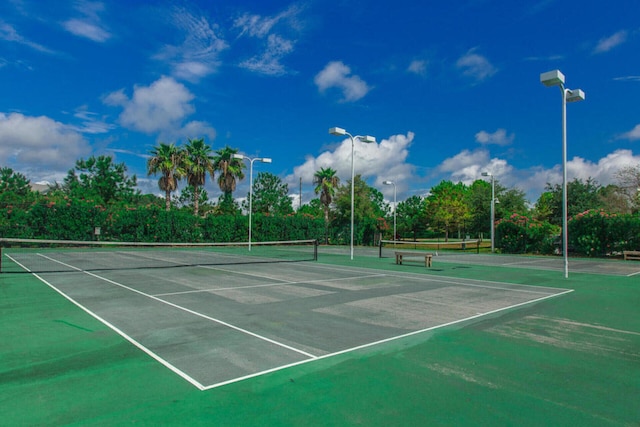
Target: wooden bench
427,257
631,255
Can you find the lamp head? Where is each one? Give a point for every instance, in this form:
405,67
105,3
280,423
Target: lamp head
552,78
388,182
265,160
337,131
238,156
486,174
575,95
367,138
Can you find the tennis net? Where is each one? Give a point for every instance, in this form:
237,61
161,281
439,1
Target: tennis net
388,247
43,256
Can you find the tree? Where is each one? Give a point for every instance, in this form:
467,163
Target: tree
628,179
369,210
166,159
411,216
98,177
270,195
229,171
198,162
581,196
326,182
15,188
447,206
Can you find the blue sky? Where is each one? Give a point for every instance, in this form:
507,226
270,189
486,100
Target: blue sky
449,89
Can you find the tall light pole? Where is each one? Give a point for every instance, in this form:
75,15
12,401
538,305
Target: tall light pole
363,138
251,160
556,78
493,208
395,206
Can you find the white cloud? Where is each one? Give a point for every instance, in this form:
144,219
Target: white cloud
383,160
475,66
10,34
39,143
277,46
269,62
337,75
90,25
198,55
499,137
418,67
632,135
160,108
608,43
162,105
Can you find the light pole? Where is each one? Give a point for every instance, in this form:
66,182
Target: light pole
364,138
556,78
493,208
395,205
251,160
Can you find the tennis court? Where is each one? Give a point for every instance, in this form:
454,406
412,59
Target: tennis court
214,323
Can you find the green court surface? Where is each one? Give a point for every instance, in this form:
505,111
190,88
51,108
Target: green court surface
484,340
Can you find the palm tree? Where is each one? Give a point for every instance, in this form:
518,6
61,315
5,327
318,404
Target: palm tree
167,160
197,163
229,170
326,182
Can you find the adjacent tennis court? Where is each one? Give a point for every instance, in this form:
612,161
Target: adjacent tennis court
222,318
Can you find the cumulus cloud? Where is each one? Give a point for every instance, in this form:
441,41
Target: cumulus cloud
42,141
499,137
475,66
383,160
89,25
160,108
337,75
608,43
632,135
198,54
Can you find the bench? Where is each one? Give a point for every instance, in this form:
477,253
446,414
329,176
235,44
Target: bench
427,257
631,255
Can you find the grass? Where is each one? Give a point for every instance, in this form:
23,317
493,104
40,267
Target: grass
572,360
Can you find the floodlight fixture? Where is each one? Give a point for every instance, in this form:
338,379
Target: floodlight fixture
575,95
552,78
337,131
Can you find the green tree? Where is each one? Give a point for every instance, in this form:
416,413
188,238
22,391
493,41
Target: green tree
270,195
99,178
368,213
15,188
326,182
229,169
166,159
198,162
411,216
447,206
581,196
314,208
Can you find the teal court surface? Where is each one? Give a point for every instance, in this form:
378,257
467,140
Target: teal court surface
212,325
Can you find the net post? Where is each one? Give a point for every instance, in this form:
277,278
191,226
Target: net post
315,250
